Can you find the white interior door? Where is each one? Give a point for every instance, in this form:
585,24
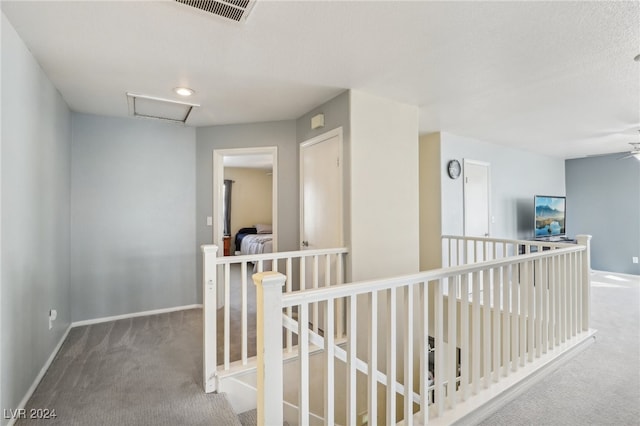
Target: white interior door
477,196
321,191
320,210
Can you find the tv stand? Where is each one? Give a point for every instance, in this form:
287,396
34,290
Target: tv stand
556,239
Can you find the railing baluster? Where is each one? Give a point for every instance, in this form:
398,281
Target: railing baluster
329,363
303,361
563,299
524,296
486,325
452,331
552,303
506,320
570,296
340,301
327,270
244,314
351,361
391,356
227,313
289,289
439,350
515,315
464,336
316,278
303,273
531,306
408,356
539,282
545,304
574,292
557,312
210,322
372,352
475,333
496,332
424,352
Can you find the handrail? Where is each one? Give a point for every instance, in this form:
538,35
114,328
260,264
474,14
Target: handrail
279,255
508,241
363,287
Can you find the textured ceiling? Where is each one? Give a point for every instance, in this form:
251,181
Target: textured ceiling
555,77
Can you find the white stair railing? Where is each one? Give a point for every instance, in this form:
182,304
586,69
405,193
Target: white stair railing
226,276
491,323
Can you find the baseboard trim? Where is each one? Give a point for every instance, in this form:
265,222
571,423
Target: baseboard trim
41,374
134,315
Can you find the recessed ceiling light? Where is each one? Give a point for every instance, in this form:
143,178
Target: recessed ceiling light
637,58
184,91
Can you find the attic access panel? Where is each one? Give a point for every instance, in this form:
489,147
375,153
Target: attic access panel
158,108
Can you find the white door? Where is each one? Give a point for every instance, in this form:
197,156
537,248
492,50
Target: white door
320,211
321,191
477,197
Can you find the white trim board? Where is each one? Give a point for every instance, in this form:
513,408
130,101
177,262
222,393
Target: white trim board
40,375
134,315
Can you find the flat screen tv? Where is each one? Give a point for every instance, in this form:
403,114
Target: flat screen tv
550,216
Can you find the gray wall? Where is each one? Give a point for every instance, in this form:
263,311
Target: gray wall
516,176
603,200
281,134
35,153
132,216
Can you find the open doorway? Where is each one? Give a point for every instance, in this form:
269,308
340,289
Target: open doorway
245,200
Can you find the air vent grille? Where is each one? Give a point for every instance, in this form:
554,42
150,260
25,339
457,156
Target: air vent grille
236,10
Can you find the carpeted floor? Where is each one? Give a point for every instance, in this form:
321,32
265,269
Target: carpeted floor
139,371
601,384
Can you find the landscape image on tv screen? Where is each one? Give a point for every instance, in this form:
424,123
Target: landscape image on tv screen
549,216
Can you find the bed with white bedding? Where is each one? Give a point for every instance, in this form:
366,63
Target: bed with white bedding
256,244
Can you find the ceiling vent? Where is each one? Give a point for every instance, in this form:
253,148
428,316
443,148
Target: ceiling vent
235,10
161,109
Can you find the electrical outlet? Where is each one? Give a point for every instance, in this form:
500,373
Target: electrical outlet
53,314
634,259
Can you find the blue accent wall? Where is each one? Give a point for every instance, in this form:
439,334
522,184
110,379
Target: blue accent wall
603,200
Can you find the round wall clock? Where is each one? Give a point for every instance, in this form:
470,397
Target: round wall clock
454,169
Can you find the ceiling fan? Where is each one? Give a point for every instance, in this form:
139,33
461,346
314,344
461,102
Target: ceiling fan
635,152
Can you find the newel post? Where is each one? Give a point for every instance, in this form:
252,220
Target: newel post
269,347
585,240
209,325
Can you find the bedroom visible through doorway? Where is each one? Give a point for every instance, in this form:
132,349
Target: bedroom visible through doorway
245,200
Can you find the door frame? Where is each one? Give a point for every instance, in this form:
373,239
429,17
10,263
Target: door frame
218,193
464,193
313,141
